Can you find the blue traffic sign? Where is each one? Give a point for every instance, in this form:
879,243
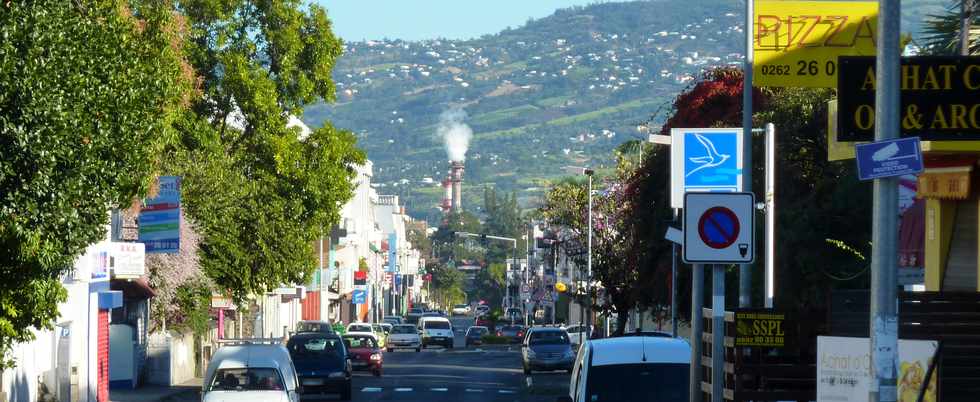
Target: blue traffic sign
359,296
718,227
889,158
705,160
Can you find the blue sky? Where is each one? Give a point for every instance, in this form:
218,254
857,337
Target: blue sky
356,20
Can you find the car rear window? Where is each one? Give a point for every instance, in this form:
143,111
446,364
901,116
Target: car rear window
436,325
359,328
649,382
355,341
404,329
313,327
478,331
247,379
548,338
313,346
512,328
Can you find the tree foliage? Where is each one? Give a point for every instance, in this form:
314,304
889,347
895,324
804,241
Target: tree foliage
88,90
942,31
260,188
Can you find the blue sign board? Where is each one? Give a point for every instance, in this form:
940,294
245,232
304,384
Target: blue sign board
392,253
359,296
159,219
705,160
889,158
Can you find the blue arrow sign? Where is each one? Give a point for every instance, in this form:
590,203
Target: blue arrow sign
359,296
889,158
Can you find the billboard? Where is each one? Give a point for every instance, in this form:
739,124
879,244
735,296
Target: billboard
159,219
844,369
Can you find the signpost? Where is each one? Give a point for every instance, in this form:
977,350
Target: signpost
798,42
889,158
760,328
719,228
938,98
705,160
359,296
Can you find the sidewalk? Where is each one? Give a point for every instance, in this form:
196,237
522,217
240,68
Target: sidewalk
189,390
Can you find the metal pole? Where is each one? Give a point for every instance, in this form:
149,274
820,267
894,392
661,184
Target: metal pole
673,285
745,270
588,275
718,333
966,16
884,231
770,214
697,327
527,269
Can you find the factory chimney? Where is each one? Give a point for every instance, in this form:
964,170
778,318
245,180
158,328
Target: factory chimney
456,176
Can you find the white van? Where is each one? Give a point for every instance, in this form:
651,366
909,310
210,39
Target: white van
436,331
635,368
251,373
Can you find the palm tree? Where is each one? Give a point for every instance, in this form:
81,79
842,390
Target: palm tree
942,32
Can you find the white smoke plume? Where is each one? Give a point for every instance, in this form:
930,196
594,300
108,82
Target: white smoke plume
455,133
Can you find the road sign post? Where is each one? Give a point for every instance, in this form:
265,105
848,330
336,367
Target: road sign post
719,228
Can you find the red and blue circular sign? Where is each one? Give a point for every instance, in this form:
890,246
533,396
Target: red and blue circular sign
718,227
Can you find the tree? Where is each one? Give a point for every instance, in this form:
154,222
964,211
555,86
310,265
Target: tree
260,187
88,90
180,284
942,32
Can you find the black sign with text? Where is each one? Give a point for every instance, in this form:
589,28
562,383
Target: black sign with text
940,98
760,328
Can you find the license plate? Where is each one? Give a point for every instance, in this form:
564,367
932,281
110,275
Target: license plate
312,381
359,364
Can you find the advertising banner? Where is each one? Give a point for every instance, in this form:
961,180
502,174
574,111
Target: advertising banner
797,43
392,252
127,260
938,95
844,369
159,219
760,328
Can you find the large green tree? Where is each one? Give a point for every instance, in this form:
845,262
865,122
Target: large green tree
88,92
260,187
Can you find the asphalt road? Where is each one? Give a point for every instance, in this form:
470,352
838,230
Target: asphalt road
474,374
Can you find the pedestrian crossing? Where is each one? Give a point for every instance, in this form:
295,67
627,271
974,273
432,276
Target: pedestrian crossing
375,390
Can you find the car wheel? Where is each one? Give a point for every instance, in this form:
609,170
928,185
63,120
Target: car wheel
377,373
418,350
345,396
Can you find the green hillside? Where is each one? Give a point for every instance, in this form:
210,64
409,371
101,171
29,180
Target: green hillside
560,90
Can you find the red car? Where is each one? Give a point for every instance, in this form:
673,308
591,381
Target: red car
364,353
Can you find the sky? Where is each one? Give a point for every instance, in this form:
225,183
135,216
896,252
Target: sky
356,20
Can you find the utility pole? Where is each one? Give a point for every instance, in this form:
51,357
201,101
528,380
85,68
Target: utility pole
884,233
718,333
697,328
673,284
745,270
588,275
770,214
966,17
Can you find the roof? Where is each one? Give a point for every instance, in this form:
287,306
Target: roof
545,329
630,350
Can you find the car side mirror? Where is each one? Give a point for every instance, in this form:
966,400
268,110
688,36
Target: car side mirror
564,398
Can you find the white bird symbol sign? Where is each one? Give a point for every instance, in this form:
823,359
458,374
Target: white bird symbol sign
712,159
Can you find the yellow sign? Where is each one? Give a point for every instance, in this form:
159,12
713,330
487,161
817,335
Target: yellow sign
797,42
760,327
561,287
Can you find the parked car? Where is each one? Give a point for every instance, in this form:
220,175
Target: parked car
636,368
482,321
365,354
321,364
251,372
404,336
314,326
393,319
547,348
513,331
436,331
381,334
577,333
359,327
461,309
474,335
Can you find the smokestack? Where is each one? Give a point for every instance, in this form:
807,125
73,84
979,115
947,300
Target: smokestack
447,198
456,175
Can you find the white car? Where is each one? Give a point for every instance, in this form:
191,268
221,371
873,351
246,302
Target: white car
404,336
461,309
250,373
360,328
634,368
436,331
577,333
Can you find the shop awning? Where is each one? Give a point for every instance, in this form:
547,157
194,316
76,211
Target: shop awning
137,288
947,177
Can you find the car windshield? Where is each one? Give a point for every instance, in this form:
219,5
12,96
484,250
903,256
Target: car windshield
549,338
247,379
359,328
404,329
360,342
652,382
437,325
477,331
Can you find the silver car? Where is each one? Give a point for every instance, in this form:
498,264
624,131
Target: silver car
547,348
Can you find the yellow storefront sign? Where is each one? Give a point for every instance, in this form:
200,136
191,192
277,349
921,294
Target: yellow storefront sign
797,42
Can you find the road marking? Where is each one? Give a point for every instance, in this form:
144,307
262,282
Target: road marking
403,390
506,391
474,390
370,389
439,389
530,382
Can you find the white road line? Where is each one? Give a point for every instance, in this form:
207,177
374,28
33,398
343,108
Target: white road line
439,389
505,391
370,389
403,390
474,390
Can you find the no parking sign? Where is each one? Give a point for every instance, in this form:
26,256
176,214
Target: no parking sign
719,228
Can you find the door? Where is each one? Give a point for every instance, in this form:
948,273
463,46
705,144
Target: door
62,370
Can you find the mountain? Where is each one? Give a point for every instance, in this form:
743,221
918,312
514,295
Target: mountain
561,90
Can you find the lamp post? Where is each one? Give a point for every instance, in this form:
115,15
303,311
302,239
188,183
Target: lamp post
588,266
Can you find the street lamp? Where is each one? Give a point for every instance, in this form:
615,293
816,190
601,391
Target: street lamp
588,275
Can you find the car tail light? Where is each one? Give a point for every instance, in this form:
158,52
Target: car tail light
500,333
520,334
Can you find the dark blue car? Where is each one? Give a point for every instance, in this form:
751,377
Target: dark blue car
321,364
